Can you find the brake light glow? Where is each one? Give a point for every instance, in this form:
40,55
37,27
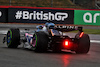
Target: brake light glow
66,43
81,34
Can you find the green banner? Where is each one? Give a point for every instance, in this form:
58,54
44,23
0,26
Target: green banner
86,17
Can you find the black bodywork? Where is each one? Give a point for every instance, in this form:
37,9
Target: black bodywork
56,42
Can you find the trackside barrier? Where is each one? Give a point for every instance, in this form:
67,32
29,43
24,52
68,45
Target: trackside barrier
44,14
37,15
26,15
3,14
86,17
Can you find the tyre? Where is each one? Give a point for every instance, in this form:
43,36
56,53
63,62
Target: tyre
83,44
13,38
40,41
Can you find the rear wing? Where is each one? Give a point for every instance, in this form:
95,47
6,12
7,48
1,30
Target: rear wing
68,28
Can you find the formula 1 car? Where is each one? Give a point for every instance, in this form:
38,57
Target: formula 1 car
49,37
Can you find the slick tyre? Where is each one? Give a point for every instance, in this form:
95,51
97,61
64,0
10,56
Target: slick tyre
83,44
41,41
13,38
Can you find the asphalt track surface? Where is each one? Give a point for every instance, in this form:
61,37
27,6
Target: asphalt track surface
28,58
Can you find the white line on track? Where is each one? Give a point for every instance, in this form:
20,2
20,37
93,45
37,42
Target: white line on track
3,32
95,41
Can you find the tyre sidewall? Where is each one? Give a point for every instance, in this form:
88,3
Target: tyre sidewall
41,41
83,44
15,38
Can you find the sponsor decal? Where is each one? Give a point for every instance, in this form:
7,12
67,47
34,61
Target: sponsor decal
86,17
22,15
91,18
41,15
67,27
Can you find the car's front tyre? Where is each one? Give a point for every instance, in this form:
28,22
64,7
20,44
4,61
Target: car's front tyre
13,38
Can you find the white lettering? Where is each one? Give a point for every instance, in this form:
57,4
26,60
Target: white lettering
95,16
0,13
58,16
25,15
45,16
51,16
92,18
87,20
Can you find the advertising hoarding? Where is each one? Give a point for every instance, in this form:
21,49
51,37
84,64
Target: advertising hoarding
86,17
25,15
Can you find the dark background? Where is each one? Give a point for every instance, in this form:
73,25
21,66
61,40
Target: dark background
4,16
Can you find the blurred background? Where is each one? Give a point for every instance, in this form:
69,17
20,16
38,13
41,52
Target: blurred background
84,4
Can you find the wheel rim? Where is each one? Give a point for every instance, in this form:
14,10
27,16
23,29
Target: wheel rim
9,37
34,43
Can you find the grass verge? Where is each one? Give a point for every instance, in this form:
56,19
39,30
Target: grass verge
89,31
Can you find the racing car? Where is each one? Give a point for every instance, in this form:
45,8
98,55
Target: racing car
49,37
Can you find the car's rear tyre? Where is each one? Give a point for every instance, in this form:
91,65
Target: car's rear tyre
83,45
40,40
13,38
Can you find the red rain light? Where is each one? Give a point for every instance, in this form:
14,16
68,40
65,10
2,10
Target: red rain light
81,34
66,43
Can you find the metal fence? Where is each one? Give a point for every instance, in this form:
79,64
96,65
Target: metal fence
88,4
97,4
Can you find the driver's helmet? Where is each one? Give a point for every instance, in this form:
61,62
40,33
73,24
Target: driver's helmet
50,25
